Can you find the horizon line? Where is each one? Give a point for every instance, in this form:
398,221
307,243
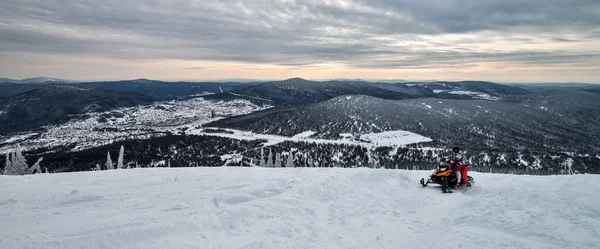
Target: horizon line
244,80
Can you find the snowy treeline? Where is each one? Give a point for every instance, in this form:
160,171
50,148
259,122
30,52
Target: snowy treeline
191,151
109,165
16,164
419,158
279,160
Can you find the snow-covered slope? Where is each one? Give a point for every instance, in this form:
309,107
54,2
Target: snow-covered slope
294,208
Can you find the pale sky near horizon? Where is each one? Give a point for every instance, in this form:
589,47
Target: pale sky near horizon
502,41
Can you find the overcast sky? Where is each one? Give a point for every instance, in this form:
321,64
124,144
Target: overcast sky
502,40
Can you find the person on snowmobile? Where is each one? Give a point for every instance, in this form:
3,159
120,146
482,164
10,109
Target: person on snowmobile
459,164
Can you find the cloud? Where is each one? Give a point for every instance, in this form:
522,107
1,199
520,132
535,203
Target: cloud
360,33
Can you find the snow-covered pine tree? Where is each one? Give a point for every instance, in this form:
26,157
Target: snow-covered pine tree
19,164
109,163
289,163
120,159
270,159
36,166
8,164
277,161
98,168
262,162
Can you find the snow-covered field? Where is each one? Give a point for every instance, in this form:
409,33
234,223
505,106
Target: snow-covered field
479,95
386,138
294,208
139,122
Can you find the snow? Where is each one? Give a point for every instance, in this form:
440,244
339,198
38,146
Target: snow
479,95
386,138
346,135
524,162
461,92
305,134
426,105
394,138
248,96
256,208
17,138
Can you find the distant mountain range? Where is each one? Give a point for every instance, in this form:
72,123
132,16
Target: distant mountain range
300,91
291,91
152,88
57,103
36,80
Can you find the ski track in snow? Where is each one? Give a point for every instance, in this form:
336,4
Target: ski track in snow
294,208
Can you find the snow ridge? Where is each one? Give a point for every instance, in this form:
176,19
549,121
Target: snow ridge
294,208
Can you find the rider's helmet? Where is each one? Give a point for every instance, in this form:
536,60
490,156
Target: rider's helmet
456,150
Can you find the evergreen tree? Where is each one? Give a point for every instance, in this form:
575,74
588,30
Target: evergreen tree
290,160
19,164
109,163
8,165
270,159
262,162
120,159
278,161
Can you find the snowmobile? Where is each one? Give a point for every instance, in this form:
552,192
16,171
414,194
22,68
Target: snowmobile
444,176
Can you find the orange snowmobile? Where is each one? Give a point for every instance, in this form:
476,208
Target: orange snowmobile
444,176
